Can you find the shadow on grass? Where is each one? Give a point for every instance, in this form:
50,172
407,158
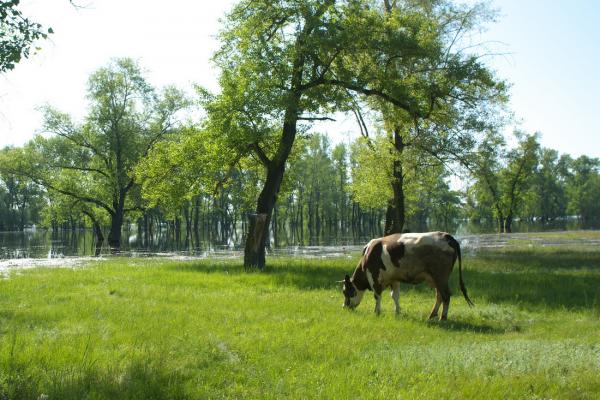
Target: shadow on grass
542,259
463,326
545,289
304,274
139,380
562,279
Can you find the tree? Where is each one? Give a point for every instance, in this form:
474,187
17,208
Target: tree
462,92
547,199
427,197
503,178
17,34
288,64
20,198
583,187
94,161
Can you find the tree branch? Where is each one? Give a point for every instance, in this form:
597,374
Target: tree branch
260,154
80,169
307,118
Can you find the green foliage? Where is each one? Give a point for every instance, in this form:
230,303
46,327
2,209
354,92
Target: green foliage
315,187
503,177
547,198
428,197
371,172
176,170
583,187
93,161
17,34
20,198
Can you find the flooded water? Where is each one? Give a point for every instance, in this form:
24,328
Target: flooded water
41,248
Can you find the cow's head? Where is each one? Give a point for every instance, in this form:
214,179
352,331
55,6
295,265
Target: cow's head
352,296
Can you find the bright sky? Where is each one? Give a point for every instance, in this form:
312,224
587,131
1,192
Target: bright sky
553,63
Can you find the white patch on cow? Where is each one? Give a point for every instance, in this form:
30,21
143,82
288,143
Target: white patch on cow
387,259
370,279
386,275
412,240
368,246
355,301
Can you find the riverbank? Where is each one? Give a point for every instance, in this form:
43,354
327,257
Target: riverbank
148,328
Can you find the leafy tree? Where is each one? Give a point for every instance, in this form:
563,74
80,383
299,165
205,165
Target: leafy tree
583,187
171,175
371,172
287,64
547,199
462,93
340,177
17,34
503,178
20,198
94,161
427,199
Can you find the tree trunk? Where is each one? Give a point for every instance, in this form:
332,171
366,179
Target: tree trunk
508,224
114,235
256,241
254,252
395,215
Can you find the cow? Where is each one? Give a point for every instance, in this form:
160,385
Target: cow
410,258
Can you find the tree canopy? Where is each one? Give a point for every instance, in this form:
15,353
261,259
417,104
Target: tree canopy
93,161
17,34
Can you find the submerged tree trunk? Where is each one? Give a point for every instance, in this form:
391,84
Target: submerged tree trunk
97,232
508,224
116,223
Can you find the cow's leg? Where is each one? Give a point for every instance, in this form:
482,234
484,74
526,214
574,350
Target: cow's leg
396,296
445,292
436,306
377,289
377,295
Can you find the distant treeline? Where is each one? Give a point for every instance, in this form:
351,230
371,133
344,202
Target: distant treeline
340,190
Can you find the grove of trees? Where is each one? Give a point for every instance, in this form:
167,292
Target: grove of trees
258,169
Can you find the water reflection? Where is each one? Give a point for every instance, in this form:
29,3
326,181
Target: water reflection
42,244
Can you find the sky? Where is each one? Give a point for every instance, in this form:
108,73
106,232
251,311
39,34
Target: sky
550,54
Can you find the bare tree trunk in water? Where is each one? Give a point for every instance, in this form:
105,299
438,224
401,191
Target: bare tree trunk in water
508,224
97,232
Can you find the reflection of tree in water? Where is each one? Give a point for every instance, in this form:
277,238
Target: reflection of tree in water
42,244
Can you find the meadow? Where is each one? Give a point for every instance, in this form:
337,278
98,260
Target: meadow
135,328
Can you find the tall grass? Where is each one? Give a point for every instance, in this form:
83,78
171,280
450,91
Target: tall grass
149,329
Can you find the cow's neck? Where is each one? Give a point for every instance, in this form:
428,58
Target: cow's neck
360,280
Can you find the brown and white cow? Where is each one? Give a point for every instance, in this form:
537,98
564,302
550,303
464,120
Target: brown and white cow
409,258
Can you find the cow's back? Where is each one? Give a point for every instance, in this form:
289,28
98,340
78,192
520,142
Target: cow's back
416,257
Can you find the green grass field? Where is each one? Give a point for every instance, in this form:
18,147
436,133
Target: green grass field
151,329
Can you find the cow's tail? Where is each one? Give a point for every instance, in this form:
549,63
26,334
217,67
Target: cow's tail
456,246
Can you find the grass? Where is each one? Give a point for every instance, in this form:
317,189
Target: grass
151,329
